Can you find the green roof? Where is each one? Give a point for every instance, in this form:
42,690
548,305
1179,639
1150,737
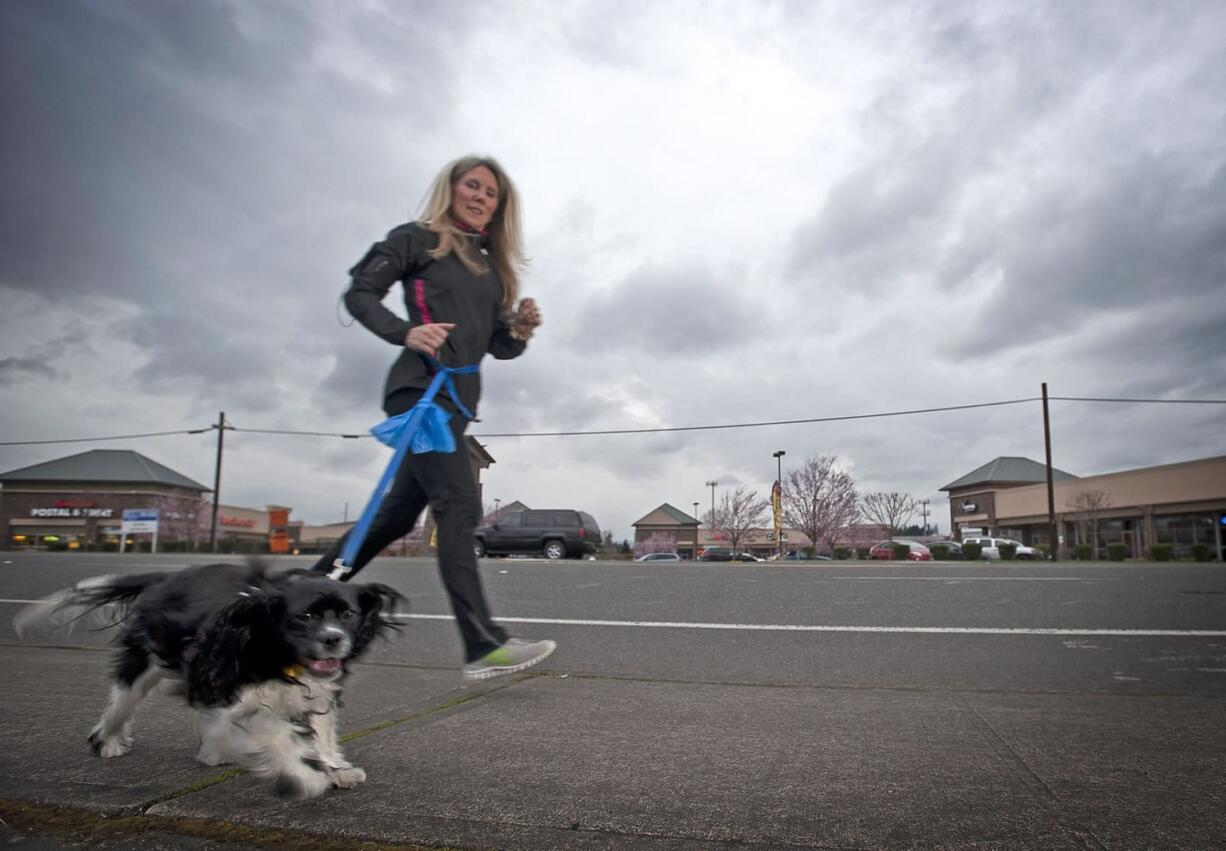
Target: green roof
102,465
1009,469
679,517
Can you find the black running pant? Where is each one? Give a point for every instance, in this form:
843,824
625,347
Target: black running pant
446,482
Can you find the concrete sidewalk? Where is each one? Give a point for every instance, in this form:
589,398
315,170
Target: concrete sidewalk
545,761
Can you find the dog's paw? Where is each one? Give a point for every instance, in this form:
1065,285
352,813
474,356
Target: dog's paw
108,747
301,786
210,757
348,777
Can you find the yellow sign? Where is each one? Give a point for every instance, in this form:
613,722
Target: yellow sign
777,507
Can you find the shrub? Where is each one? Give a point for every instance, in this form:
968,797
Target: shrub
862,552
842,552
1200,552
1161,552
940,551
901,551
1083,552
1117,552
1007,551
1044,554
972,552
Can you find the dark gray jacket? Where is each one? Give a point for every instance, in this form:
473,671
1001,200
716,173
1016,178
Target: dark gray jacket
434,291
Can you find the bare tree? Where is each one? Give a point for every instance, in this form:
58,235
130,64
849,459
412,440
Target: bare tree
657,542
890,510
1088,507
179,518
737,514
821,500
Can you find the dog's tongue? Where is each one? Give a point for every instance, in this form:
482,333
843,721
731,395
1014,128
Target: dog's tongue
325,666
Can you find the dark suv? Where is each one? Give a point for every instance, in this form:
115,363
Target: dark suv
560,533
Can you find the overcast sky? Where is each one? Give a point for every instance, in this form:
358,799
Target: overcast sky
736,212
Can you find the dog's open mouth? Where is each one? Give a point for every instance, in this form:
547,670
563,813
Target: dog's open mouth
324,666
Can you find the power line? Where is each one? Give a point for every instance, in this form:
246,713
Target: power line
1145,401
761,424
657,430
100,439
301,433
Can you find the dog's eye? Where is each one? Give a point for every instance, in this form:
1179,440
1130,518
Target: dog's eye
348,615
308,617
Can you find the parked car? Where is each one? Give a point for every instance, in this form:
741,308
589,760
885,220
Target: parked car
915,550
793,555
659,557
952,548
716,554
746,557
555,533
991,548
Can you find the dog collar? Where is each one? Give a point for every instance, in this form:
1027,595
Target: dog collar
292,671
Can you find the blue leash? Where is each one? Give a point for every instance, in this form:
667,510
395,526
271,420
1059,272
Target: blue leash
422,428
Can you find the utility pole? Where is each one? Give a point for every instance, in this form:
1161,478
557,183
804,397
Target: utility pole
924,513
221,433
1051,488
711,484
779,484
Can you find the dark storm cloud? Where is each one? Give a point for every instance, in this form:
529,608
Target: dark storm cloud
16,370
1142,233
355,383
673,311
1034,167
148,130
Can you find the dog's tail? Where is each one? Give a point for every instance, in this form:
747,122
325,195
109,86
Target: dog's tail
101,601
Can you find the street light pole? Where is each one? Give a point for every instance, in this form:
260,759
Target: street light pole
697,523
779,481
711,484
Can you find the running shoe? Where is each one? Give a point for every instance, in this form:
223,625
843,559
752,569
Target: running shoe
516,655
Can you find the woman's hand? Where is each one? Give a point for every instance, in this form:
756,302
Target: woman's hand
527,318
428,339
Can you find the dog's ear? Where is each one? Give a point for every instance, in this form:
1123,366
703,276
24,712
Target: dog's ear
379,602
243,644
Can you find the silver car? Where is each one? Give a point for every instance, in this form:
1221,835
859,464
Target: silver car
991,548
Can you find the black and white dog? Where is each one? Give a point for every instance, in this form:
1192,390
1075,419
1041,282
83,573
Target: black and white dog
263,656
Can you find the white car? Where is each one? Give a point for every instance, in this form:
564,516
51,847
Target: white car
991,548
659,557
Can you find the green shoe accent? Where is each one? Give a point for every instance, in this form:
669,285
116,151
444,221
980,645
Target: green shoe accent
498,656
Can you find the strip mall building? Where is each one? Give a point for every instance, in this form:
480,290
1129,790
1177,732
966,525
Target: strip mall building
78,503
1182,505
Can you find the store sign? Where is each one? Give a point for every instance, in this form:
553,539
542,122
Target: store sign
278,530
236,521
140,521
968,507
66,511
74,503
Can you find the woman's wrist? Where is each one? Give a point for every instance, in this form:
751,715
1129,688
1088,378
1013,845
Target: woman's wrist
521,333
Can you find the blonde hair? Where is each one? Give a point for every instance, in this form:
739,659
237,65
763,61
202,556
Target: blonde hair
504,248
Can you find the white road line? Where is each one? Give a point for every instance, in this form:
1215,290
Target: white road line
777,627
973,579
786,627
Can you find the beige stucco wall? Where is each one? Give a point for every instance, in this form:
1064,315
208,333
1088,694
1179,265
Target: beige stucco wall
1189,482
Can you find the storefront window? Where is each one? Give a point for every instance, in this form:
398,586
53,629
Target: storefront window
1182,531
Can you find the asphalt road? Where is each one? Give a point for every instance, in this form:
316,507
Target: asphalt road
834,705
983,626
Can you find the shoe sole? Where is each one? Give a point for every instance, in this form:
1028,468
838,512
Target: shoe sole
500,670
